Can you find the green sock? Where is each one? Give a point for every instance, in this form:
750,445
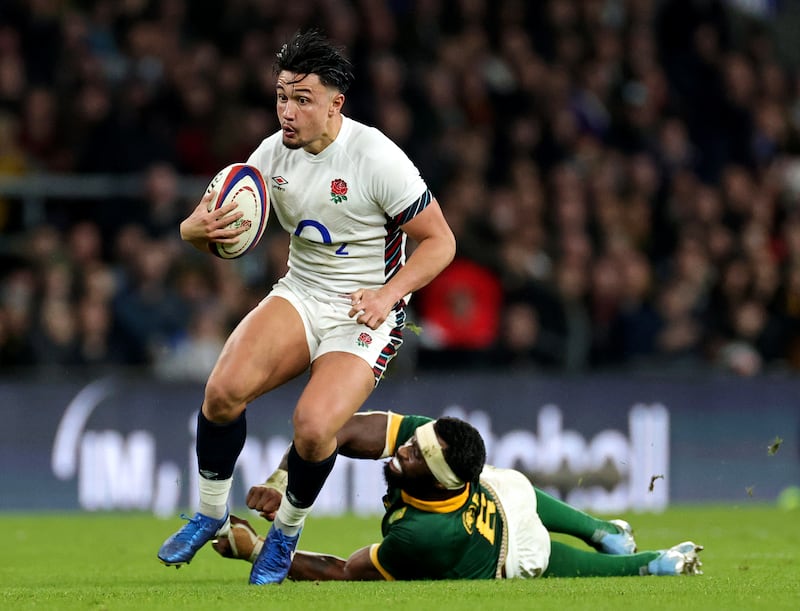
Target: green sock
559,517
568,561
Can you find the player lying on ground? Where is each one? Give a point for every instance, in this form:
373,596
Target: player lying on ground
450,517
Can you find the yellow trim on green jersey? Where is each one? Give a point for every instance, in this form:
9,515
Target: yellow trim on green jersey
393,423
373,555
443,506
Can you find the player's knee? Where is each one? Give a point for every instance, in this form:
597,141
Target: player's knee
222,403
313,437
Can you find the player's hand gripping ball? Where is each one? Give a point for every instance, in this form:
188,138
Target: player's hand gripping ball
243,184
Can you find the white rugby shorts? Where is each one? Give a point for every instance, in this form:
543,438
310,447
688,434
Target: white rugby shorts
329,328
528,553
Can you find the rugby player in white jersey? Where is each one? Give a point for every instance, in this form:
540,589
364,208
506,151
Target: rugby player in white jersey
348,197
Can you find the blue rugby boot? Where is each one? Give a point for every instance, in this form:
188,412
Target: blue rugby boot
273,562
181,547
681,559
618,543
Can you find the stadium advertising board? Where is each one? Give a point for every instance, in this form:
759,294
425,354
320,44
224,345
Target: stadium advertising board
608,444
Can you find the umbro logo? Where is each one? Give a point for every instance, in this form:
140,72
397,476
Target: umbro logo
280,181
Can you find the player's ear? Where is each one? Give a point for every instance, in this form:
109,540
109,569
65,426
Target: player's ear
337,101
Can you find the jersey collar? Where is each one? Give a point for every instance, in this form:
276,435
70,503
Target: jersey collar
443,506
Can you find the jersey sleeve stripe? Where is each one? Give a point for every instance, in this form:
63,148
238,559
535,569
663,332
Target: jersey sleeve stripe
393,249
415,208
394,244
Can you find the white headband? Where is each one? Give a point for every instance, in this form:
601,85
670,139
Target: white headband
434,458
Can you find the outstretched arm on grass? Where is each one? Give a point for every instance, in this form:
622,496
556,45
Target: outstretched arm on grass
308,566
243,542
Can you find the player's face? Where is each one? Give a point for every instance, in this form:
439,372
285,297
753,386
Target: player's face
308,111
408,470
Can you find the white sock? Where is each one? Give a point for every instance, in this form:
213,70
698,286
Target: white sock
289,518
214,496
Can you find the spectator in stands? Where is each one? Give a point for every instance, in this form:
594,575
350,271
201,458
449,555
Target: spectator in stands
459,315
12,163
163,208
193,356
55,336
150,313
17,304
570,142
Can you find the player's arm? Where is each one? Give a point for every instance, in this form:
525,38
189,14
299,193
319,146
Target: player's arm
363,436
436,247
243,543
204,226
308,566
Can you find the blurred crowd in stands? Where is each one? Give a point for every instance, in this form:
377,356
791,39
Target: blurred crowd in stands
623,177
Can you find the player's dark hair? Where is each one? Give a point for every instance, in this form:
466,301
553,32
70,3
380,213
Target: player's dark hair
311,53
465,451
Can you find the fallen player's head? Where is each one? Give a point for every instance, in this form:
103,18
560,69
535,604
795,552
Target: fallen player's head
442,456
464,450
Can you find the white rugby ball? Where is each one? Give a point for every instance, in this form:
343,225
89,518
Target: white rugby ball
243,184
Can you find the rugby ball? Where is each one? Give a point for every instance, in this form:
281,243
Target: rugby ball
244,185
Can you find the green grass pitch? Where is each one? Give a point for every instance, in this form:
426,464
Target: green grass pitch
108,561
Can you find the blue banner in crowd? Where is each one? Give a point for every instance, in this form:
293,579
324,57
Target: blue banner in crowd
605,443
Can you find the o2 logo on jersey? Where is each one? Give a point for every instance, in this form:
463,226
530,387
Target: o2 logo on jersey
323,233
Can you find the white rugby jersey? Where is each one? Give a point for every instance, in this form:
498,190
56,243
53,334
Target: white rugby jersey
343,207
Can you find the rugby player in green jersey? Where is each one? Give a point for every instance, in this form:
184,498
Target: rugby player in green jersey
450,516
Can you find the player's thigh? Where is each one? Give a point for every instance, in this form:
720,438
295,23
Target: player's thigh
265,350
339,385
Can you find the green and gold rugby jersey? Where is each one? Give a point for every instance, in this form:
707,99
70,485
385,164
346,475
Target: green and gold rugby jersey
457,538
